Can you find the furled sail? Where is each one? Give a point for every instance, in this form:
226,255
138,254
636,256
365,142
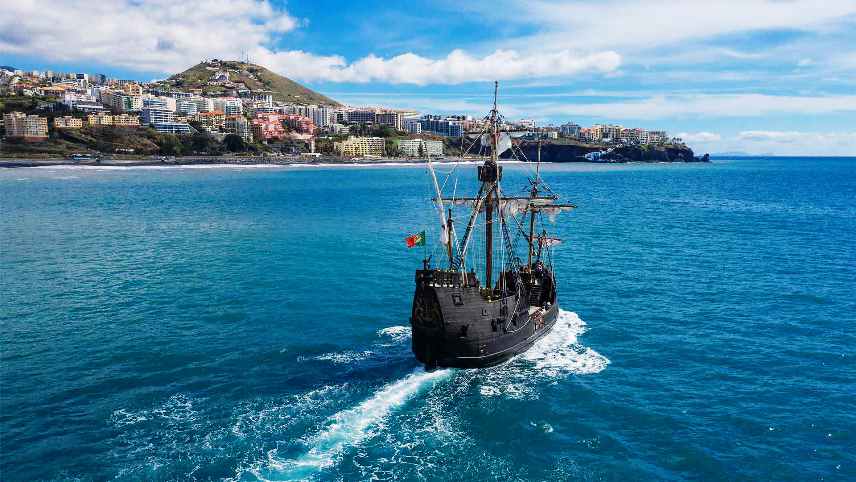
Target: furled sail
547,241
503,143
554,210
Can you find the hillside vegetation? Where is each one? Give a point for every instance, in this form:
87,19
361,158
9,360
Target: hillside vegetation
241,74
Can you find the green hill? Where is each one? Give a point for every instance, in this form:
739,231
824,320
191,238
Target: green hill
211,77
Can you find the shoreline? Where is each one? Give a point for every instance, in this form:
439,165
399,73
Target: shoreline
251,162
197,163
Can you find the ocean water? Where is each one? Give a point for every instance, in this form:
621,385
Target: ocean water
252,324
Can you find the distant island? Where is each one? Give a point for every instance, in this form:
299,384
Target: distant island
225,109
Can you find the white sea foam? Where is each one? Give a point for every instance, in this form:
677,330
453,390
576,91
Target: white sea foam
350,427
345,356
393,335
556,355
559,353
396,334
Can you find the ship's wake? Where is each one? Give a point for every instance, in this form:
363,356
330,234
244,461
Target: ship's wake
349,427
557,355
431,428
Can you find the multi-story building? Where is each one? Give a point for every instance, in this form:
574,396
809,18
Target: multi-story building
100,119
175,94
412,126
26,127
267,127
229,105
167,103
203,104
361,146
299,123
340,116
322,116
657,137
361,116
265,99
132,88
392,119
67,122
448,127
121,102
154,115
420,148
172,128
126,120
570,130
211,120
185,107
238,124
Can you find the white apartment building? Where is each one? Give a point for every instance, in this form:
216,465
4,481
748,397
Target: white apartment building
186,107
203,104
153,116
412,148
168,103
121,102
229,105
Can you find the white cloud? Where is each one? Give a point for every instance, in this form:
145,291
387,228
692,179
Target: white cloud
142,35
699,136
455,68
167,36
705,105
796,142
651,24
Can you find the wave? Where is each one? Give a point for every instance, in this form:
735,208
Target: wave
366,426
350,427
396,334
557,355
392,335
341,357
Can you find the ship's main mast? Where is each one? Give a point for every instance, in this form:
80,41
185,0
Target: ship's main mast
488,214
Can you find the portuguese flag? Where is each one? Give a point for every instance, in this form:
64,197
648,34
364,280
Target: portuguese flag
414,240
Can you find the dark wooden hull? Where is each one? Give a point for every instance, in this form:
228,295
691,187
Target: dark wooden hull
455,326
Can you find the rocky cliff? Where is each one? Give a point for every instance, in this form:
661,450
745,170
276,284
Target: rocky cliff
561,152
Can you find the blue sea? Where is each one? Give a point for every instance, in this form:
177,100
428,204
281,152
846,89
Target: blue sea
238,323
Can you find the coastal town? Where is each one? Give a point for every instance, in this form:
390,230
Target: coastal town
235,108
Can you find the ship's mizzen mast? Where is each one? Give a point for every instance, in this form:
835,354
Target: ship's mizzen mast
532,211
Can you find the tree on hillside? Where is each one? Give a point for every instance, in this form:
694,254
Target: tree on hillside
202,143
391,148
234,143
168,145
383,131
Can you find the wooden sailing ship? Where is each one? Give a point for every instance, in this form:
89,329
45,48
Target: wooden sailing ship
466,318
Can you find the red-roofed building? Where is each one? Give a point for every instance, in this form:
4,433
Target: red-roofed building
299,123
268,127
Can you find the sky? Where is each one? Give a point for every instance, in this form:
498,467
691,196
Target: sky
752,76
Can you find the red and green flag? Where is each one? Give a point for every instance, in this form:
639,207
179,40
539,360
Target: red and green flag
414,240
